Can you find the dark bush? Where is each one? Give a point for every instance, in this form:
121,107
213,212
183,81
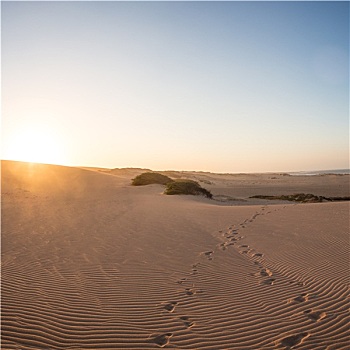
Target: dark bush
151,178
186,187
298,197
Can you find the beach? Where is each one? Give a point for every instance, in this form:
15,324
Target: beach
91,262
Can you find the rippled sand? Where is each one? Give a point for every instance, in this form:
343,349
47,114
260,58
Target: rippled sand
90,262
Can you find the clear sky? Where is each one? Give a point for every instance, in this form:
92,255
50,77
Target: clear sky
212,86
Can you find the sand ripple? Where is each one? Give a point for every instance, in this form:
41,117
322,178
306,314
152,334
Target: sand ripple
133,269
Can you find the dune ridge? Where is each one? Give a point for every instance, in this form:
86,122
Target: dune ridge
90,262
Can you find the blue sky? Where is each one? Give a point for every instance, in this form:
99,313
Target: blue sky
224,87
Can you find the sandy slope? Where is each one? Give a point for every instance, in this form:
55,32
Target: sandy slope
90,262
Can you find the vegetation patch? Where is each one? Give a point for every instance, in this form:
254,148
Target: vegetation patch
337,199
224,198
190,187
303,198
179,186
150,178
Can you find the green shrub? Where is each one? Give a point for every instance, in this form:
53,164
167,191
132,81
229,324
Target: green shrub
150,178
186,187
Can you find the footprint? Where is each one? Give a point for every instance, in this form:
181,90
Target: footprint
302,284
162,339
182,280
293,340
222,246
265,272
301,298
170,306
260,255
209,254
270,281
187,321
244,246
315,315
244,251
190,291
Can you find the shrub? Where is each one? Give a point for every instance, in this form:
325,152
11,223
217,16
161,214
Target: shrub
150,178
186,187
298,197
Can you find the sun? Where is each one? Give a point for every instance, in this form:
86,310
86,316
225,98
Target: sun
35,145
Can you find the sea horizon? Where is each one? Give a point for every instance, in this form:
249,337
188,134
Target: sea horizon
321,172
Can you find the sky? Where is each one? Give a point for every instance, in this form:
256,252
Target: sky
210,86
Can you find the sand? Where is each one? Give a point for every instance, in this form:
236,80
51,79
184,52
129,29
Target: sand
90,262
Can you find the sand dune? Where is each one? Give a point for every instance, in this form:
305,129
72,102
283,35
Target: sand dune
90,262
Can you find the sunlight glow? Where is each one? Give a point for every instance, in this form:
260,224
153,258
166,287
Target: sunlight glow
37,145
222,86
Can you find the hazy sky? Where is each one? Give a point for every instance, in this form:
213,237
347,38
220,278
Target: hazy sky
218,86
